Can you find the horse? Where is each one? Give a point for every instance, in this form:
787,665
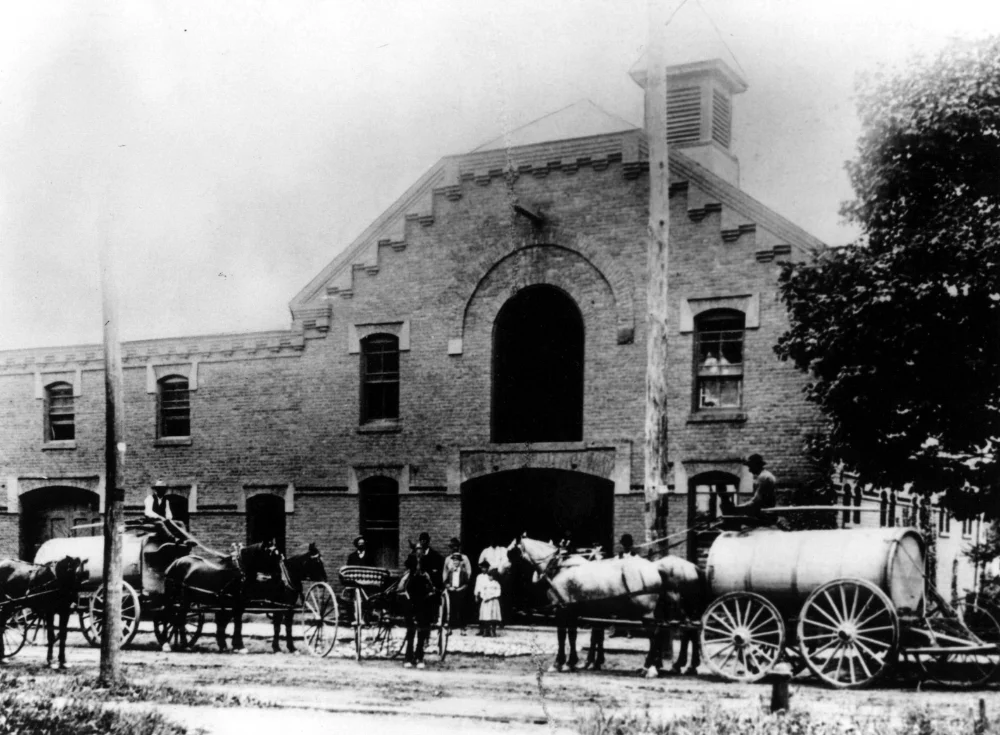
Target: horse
48,589
307,565
227,584
629,588
417,597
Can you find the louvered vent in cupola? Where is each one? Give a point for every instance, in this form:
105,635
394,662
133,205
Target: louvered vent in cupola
722,118
683,114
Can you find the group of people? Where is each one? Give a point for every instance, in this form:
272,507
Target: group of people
453,573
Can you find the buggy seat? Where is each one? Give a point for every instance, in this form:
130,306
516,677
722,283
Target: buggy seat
368,578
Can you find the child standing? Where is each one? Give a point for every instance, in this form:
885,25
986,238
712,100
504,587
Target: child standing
488,596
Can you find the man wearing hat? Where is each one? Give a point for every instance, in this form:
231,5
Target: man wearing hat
156,506
457,573
764,495
359,557
627,545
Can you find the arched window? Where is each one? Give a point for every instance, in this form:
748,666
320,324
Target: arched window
379,516
174,406
857,504
60,418
538,357
944,521
718,355
379,377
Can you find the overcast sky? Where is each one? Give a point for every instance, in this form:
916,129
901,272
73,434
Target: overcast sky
234,148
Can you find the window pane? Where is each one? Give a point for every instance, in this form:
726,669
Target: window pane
380,378
61,418
175,407
719,366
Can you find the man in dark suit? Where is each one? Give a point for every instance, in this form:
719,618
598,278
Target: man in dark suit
431,561
360,556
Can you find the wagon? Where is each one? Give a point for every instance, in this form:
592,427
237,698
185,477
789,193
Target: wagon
375,616
144,595
850,605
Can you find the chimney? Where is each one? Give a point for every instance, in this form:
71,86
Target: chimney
700,112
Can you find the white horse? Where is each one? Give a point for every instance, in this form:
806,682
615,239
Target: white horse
629,588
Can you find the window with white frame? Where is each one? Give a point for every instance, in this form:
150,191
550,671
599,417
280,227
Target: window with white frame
719,359
60,415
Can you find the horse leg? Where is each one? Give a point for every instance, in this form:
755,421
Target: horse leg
682,655
573,658
238,629
595,654
289,620
654,659
411,630
221,622
276,625
63,625
561,638
50,634
695,652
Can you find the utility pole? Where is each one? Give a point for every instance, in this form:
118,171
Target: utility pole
114,456
656,468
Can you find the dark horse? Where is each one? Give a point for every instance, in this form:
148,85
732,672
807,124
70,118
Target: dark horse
227,585
48,589
418,597
301,567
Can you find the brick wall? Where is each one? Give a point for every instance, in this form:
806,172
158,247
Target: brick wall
283,415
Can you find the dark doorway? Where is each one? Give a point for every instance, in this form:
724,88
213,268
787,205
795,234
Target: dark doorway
266,520
379,511
179,509
703,508
538,368
57,512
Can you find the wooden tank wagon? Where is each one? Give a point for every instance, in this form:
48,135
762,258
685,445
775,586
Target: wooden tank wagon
848,604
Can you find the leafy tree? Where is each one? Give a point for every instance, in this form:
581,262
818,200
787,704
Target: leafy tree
900,331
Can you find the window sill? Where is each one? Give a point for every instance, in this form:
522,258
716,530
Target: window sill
173,441
380,426
732,416
58,445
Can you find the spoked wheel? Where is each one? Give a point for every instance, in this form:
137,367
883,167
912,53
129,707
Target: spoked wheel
366,628
14,635
130,616
167,631
742,636
32,624
848,633
320,618
438,644
965,626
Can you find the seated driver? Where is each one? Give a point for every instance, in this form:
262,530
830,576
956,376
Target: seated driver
764,494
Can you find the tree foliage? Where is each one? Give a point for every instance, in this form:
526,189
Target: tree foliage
900,331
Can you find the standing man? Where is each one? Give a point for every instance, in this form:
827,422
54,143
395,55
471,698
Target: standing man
359,557
627,546
764,494
431,561
457,573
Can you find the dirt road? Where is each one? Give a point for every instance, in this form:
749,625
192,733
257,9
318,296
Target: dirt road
483,685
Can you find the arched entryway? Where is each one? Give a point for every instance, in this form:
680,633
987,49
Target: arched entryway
538,352
542,503
703,507
57,512
266,519
379,519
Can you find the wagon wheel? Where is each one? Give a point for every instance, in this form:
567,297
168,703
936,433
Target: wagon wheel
131,610
848,633
14,635
969,625
442,628
32,624
366,627
167,631
742,636
320,618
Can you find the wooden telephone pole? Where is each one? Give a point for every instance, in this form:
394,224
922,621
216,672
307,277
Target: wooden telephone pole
656,468
114,455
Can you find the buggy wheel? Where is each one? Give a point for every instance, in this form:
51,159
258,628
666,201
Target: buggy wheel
14,635
363,632
32,624
969,625
320,618
742,636
167,631
848,633
442,627
131,610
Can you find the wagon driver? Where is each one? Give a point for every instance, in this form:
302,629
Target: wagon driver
157,512
764,495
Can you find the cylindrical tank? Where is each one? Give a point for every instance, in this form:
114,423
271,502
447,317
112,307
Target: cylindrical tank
91,549
785,567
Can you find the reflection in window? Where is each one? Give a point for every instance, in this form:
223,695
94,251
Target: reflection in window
719,359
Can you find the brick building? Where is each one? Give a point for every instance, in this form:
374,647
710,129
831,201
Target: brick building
473,364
